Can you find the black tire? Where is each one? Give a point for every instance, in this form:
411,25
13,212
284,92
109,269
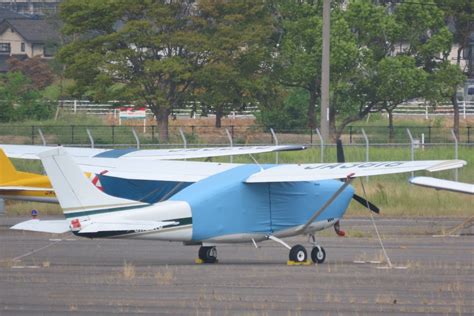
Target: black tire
208,254
318,256
298,254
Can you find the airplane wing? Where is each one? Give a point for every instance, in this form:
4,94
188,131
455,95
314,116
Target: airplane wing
162,170
440,184
32,151
36,225
22,188
125,226
321,171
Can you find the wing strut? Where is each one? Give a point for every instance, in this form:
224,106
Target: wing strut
326,205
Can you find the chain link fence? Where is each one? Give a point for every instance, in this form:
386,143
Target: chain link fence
124,136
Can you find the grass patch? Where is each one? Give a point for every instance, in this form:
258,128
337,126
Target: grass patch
20,208
128,271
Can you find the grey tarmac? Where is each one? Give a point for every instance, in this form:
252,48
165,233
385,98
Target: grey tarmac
43,274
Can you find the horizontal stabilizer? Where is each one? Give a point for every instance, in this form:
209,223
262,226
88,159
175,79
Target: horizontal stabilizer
96,227
440,184
21,188
36,225
327,171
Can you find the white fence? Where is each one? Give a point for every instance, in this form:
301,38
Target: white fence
466,108
112,108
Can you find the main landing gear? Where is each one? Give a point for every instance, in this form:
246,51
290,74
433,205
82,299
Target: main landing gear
298,254
208,254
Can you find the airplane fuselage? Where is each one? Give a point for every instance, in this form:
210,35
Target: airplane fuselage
223,209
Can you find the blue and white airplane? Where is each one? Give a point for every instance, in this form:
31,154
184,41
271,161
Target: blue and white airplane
238,204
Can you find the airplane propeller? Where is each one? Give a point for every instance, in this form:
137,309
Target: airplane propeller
358,198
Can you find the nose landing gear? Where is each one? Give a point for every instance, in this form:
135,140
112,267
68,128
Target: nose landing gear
318,254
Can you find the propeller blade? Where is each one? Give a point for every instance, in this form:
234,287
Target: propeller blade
340,151
366,203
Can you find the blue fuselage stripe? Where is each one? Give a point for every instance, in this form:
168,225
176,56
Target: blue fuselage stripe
115,153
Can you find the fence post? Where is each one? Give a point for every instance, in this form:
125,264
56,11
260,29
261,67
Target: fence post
113,134
275,140
321,142
91,139
183,137
412,148
153,134
456,147
40,132
350,134
229,136
136,137
32,134
366,150
72,134
463,110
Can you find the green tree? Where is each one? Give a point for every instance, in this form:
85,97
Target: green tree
368,40
289,114
298,62
443,85
399,81
20,100
460,14
150,47
238,35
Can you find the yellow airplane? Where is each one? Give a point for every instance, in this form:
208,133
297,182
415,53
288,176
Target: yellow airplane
24,186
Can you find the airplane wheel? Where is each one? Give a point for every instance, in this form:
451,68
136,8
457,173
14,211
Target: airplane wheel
208,254
298,254
318,256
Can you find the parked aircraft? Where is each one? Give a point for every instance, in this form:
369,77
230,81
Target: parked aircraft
17,185
245,203
440,184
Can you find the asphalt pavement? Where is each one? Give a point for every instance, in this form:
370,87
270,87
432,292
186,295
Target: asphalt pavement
58,274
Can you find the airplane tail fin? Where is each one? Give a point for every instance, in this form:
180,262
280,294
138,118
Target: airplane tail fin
76,194
8,171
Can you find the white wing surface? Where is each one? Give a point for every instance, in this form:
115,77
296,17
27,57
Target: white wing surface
36,225
125,226
162,170
22,188
314,172
32,152
440,184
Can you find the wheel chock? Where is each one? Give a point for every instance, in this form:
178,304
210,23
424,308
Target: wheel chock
200,261
295,263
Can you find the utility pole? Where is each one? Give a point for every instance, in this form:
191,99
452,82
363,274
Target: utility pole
325,71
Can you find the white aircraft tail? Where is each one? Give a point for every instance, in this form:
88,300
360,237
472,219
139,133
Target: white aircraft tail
75,193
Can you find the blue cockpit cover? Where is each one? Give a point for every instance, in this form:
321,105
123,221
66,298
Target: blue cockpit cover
224,204
140,190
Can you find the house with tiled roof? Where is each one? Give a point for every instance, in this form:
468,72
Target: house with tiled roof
28,37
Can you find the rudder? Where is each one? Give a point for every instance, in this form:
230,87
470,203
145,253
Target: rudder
8,171
76,194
